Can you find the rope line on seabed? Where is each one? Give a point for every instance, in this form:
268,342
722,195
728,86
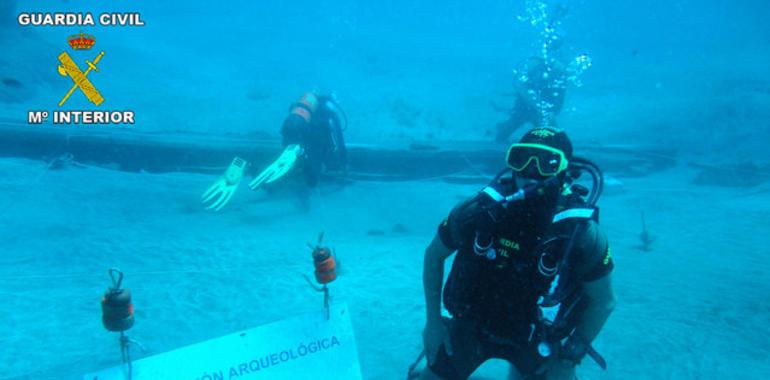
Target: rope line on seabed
141,273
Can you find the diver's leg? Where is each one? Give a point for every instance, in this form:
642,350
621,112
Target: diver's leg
513,374
552,369
560,371
459,366
518,117
505,129
312,171
527,364
427,374
302,200
467,354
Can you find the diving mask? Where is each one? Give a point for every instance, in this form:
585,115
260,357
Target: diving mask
548,161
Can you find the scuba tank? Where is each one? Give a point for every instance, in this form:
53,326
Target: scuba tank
335,107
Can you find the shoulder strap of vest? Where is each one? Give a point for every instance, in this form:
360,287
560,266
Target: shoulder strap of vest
575,208
585,213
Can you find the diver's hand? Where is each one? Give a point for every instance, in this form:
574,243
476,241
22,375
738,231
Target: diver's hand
224,187
279,167
434,335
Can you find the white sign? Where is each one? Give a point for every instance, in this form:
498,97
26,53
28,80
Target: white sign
307,346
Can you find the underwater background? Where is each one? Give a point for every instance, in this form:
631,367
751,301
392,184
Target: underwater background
681,87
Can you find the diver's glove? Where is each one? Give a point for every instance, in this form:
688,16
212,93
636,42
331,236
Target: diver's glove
279,167
222,190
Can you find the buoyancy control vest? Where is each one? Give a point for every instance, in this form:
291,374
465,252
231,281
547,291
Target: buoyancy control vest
512,273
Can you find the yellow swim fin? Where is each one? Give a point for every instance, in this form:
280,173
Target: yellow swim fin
224,187
279,167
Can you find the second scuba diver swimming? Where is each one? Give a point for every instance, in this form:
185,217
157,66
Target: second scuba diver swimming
312,137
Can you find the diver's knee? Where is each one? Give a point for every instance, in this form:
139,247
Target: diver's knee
513,373
427,374
562,372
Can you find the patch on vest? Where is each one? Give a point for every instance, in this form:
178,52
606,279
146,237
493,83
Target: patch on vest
510,244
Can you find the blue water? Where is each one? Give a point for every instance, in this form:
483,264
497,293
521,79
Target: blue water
687,77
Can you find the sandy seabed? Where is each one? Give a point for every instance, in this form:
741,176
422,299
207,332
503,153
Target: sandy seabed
694,307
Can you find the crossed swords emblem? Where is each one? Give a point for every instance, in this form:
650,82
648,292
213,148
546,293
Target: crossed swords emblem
68,67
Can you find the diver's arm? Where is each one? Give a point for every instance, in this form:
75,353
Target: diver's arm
601,303
433,277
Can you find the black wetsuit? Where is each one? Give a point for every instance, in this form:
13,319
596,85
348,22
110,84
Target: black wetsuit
321,140
493,302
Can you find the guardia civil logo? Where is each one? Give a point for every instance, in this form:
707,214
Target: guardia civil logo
77,67
82,68
68,68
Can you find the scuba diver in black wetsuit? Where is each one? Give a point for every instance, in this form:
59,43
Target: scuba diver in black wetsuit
315,125
530,282
539,97
541,84
313,142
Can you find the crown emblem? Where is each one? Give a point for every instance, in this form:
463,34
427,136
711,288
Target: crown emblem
542,133
81,41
